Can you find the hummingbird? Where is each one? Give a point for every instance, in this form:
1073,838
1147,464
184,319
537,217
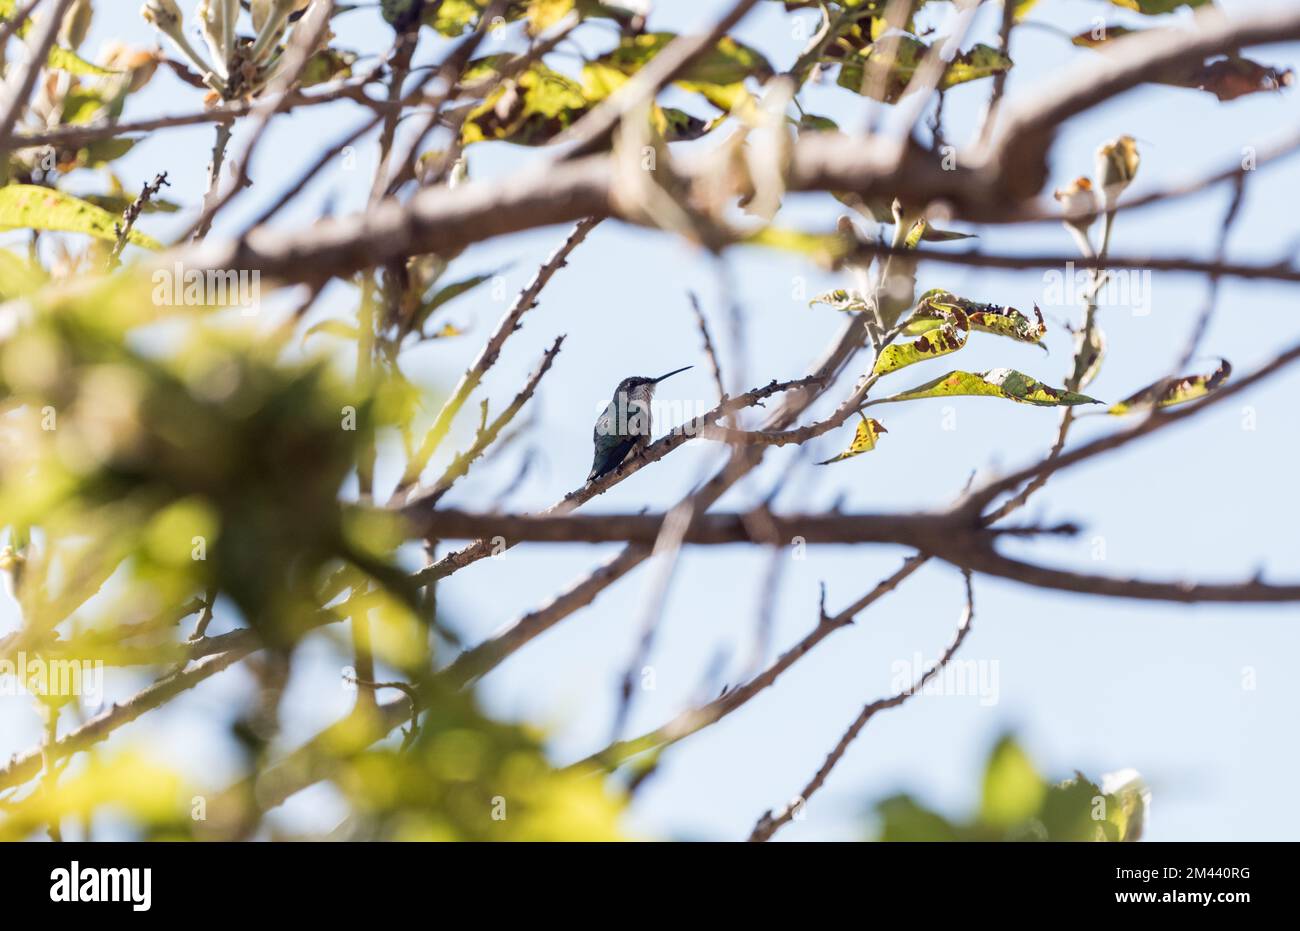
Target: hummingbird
623,429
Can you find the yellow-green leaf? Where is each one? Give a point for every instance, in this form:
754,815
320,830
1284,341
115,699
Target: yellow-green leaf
29,206
1166,393
864,440
995,383
1013,789
338,328
728,62
67,60
949,336
543,14
531,110
1021,8
826,249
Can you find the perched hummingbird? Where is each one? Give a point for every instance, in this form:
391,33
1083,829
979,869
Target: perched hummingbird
623,429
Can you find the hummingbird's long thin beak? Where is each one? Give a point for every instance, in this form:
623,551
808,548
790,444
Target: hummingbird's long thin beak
673,372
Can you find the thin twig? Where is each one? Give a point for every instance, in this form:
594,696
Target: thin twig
772,821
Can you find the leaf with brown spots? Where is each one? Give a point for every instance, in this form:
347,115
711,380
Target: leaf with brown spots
864,440
995,383
948,336
990,318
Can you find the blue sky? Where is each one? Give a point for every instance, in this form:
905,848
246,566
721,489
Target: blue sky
1088,683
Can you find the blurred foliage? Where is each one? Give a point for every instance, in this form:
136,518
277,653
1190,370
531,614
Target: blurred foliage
464,776
1018,804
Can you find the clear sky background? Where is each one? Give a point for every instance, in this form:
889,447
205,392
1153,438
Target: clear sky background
1090,684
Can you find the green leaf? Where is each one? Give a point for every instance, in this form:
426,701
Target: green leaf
948,335
18,276
1013,789
103,151
67,60
1157,7
337,328
840,299
29,206
904,819
448,293
989,318
328,64
1166,393
864,440
1076,810
995,383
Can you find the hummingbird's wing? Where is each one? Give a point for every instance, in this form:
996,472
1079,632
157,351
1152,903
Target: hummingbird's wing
611,446
611,455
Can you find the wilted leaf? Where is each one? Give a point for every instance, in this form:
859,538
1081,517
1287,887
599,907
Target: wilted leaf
1089,361
1236,76
864,440
29,206
1226,77
995,383
1166,393
948,335
879,210
841,299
